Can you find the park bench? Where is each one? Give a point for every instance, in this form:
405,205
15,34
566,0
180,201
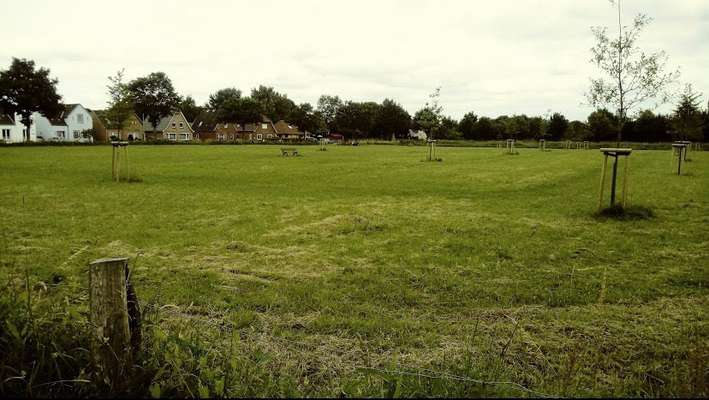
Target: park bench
286,151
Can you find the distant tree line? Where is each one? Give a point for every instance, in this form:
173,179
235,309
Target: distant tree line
25,89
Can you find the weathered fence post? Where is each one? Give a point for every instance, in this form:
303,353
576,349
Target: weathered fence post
114,318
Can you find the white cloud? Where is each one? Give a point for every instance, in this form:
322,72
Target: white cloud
505,57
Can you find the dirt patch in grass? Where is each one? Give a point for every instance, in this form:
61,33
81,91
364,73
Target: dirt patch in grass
625,213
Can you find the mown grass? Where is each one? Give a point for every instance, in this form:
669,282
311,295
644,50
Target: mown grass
360,271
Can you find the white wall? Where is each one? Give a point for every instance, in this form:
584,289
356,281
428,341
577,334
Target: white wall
16,130
78,121
47,131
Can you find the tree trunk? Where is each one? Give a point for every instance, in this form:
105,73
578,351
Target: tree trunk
621,110
27,122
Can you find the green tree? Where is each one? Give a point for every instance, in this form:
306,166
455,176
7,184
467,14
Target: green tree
485,129
242,110
578,131
536,128
687,117
448,129
221,96
517,126
631,76
650,127
328,107
306,118
153,96
392,119
189,108
602,124
25,90
356,120
274,105
558,125
467,125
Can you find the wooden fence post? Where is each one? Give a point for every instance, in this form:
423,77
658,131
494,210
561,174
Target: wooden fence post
114,331
603,182
625,182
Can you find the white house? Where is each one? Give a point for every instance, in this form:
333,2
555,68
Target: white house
420,135
12,130
7,127
71,125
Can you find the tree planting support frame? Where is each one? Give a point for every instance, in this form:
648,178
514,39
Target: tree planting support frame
120,156
615,153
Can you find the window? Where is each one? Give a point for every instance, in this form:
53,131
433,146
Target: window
231,137
264,126
171,136
61,134
182,125
259,136
76,134
80,118
183,136
220,136
5,134
174,125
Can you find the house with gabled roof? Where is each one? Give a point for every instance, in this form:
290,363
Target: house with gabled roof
72,124
174,127
7,128
204,126
207,128
12,130
288,131
106,129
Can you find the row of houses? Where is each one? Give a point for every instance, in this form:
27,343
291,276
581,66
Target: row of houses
79,124
73,124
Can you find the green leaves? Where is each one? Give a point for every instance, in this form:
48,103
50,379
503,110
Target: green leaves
155,391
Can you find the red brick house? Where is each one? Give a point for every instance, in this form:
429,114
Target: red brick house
207,129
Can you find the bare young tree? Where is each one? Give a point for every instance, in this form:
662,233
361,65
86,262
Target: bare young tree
632,77
120,106
430,116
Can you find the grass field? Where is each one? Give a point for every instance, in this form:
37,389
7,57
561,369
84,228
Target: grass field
361,271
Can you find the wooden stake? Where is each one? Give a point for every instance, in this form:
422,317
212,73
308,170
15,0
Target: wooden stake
613,181
625,182
603,181
108,303
125,150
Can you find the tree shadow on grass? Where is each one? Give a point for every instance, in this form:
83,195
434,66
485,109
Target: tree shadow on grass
621,213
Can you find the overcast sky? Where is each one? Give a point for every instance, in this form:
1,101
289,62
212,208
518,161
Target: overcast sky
491,57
